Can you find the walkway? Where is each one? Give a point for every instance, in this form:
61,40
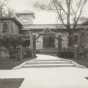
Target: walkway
65,74
47,61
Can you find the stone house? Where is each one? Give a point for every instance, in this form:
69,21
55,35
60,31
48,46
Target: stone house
51,38
9,27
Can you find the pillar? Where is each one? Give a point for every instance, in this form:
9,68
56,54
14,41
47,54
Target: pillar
31,43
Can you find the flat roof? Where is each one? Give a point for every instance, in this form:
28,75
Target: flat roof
50,26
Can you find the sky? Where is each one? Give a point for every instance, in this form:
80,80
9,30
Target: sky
28,5
20,5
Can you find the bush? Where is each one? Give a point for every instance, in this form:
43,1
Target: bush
66,54
27,53
10,42
4,53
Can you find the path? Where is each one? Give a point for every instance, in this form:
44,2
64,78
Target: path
47,61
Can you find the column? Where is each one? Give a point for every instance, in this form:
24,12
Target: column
31,43
39,42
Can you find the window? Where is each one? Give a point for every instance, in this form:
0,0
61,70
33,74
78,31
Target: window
5,27
76,39
26,43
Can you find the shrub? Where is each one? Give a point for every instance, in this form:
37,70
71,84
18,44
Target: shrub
66,54
10,42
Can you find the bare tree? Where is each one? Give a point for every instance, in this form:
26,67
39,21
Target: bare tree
69,13
5,11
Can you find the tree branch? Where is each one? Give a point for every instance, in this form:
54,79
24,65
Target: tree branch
60,6
77,17
59,13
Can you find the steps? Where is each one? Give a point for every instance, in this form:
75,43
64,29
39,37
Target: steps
48,63
48,51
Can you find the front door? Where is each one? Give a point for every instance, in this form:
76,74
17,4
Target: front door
48,41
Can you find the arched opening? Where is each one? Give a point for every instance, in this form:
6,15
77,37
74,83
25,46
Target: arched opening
48,41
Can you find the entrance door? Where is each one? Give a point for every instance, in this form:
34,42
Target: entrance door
48,41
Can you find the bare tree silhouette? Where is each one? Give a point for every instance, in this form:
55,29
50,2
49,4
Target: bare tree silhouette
68,12
5,10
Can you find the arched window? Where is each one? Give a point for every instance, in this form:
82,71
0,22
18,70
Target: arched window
5,27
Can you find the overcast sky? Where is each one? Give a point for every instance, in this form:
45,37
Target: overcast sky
21,5
27,5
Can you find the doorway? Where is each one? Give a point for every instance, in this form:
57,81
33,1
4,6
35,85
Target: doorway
48,41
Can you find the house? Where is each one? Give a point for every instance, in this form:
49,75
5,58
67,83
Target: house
10,25
51,38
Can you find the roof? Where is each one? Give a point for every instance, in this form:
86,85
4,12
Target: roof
43,20
25,13
38,17
85,22
43,17
26,18
13,19
43,26
51,26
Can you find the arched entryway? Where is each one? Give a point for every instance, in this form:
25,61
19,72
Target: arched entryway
49,41
46,42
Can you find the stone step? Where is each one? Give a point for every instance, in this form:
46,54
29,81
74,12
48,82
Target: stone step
49,62
48,65
61,60
52,60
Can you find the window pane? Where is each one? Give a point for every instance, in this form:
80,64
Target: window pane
5,27
48,42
